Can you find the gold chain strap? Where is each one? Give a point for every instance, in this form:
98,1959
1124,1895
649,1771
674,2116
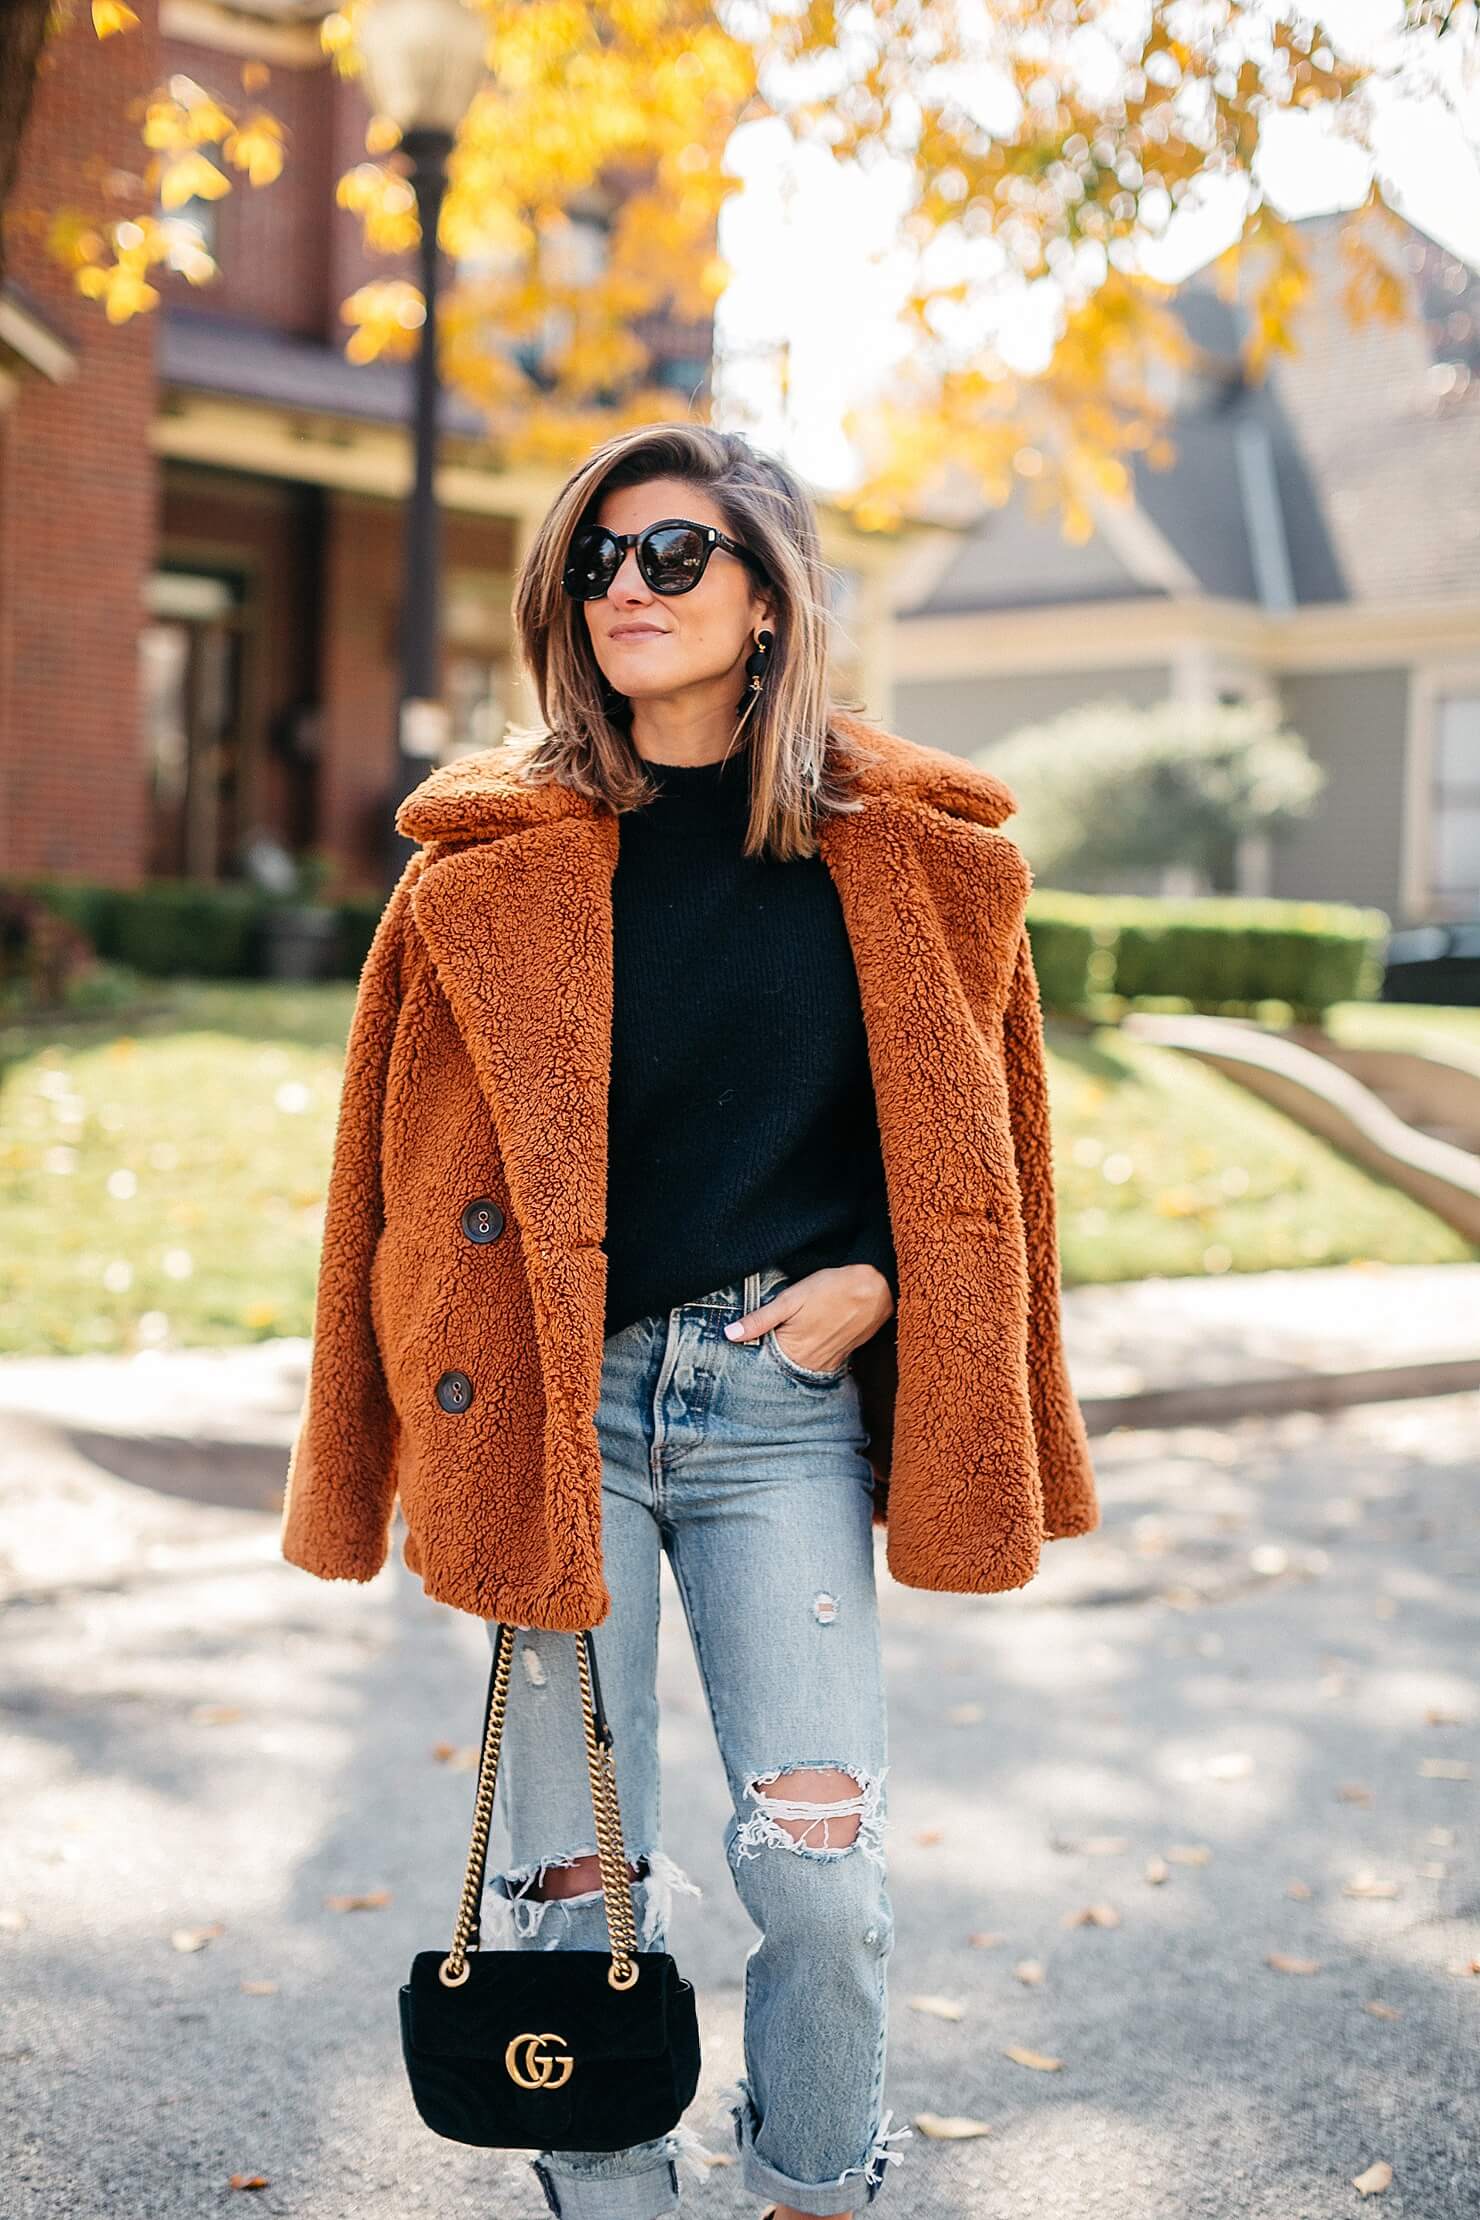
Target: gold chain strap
611,1850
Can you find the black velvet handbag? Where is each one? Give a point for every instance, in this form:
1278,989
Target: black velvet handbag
575,2050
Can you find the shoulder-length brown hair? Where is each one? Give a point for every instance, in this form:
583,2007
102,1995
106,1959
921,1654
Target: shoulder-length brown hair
800,764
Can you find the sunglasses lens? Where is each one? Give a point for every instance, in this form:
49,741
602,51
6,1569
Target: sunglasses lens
592,564
672,558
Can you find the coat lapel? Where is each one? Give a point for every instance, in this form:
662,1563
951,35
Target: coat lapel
520,930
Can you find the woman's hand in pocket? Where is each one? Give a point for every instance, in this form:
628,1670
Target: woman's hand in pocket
827,1315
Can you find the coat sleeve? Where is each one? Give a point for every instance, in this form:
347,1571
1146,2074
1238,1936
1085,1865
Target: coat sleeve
1064,1462
341,1485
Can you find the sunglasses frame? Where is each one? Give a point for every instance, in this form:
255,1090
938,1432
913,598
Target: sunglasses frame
713,538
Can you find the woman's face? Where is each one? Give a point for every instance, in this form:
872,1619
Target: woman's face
650,645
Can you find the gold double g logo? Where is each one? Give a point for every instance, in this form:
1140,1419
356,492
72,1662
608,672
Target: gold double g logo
530,2066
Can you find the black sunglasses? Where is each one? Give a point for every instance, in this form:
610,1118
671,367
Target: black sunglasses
672,556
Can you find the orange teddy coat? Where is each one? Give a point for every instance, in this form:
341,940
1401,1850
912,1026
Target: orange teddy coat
477,1072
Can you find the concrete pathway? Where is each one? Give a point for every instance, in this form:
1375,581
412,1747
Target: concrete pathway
1238,1722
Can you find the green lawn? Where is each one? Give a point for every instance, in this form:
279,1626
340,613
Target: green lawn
162,1180
1452,1034
1166,1166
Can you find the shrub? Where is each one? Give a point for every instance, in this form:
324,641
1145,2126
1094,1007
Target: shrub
1214,953
42,954
1108,793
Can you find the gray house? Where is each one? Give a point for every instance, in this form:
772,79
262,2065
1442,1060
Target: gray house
1317,540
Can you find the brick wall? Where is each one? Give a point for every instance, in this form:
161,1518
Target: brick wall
77,495
272,242
287,256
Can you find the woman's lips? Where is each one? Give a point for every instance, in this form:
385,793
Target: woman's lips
638,632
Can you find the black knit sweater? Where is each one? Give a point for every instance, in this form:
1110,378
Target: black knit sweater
742,1122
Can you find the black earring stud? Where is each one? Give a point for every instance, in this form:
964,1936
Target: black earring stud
756,664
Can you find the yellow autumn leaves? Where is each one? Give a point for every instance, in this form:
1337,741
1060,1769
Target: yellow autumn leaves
636,103
183,126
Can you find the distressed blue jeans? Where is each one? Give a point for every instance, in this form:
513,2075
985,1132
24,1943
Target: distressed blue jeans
747,1468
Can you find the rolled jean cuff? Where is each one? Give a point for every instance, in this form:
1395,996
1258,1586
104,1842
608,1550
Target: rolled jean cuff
855,2188
648,2195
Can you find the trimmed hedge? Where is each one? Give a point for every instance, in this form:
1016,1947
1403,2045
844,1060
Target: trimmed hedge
1093,953
193,928
1218,953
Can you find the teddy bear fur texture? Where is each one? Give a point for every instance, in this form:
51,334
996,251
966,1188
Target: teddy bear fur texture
477,1067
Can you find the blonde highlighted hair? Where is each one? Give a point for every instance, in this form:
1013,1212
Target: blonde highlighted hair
799,761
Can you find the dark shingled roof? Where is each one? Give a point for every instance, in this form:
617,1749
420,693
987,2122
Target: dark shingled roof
1351,473
248,362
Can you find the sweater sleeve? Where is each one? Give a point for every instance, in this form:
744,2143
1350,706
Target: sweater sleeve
341,1483
1064,1461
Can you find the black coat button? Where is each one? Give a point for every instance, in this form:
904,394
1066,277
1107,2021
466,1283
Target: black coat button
482,1220
454,1391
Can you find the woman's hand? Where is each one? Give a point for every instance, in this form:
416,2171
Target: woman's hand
834,1310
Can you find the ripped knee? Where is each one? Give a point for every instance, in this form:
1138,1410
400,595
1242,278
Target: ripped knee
517,1902
579,1878
826,1810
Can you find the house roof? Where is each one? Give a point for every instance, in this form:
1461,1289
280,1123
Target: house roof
250,362
1350,473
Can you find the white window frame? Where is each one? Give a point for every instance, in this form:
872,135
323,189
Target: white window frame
1428,686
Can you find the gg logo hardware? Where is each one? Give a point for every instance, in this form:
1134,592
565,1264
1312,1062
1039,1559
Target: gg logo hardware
532,2069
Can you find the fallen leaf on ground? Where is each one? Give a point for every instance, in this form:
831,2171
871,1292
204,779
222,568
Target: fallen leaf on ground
1029,1971
1297,1888
1381,2011
196,1938
966,1715
1034,2058
1366,1883
373,1900
982,1938
1433,1717
1189,1853
247,2181
259,1988
939,2007
1354,1792
1156,1870
461,1756
1378,2176
1092,1915
1444,1769
1284,1964
930,1834
216,1715
949,2127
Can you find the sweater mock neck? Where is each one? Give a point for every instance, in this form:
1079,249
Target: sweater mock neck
695,797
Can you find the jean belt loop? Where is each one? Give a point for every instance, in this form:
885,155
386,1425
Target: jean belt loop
751,1297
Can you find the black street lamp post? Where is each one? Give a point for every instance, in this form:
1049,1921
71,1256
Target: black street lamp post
424,62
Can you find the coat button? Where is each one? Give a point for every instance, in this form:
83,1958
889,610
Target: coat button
482,1220
454,1391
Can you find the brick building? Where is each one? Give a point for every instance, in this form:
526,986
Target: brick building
200,509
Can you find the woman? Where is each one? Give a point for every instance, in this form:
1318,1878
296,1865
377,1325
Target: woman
692,1193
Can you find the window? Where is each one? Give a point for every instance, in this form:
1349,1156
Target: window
1454,865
